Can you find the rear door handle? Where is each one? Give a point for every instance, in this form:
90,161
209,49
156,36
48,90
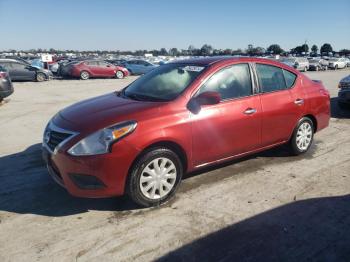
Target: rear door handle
299,102
250,111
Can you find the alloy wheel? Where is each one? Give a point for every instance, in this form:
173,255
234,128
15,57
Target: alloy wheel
304,136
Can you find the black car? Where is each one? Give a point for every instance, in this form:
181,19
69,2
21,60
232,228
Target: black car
344,92
20,71
6,87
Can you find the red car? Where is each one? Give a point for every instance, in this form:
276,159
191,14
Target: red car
177,118
95,68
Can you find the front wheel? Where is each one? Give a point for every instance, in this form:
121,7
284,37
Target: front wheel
155,177
119,74
40,77
302,136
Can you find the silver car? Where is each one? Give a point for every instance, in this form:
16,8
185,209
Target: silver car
337,63
317,64
299,63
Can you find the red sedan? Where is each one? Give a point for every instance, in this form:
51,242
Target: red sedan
178,118
96,68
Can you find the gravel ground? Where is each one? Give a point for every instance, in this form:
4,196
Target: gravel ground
266,207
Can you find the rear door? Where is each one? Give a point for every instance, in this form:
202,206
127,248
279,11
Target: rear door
231,127
282,101
106,69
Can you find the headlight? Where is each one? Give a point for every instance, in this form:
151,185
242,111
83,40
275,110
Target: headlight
100,141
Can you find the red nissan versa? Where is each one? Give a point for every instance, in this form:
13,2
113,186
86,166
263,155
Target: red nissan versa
178,118
96,68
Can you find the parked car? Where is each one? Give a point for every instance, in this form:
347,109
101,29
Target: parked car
139,67
299,63
19,71
93,68
6,87
117,62
337,63
180,117
347,61
344,92
318,64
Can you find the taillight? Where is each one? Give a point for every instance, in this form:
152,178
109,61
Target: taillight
3,74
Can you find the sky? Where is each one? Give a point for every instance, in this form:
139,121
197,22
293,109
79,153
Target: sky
153,24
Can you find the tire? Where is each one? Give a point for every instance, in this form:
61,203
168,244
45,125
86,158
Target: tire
317,68
144,169
325,68
119,74
305,69
40,77
336,67
303,132
84,75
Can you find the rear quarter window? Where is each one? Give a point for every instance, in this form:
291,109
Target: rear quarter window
290,78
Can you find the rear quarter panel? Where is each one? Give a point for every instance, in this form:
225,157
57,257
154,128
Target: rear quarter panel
317,102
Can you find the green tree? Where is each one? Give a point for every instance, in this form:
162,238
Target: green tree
206,50
326,48
275,49
314,49
174,51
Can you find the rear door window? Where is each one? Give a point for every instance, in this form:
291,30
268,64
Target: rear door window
271,78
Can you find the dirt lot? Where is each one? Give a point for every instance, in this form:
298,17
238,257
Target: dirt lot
267,207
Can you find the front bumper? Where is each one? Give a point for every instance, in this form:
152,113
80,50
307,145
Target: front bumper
344,96
91,176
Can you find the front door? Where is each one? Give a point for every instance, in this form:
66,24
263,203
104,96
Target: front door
231,127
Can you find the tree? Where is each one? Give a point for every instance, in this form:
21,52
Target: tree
255,50
174,52
326,48
206,50
275,49
163,51
314,49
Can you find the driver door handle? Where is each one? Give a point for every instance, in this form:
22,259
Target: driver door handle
250,111
299,102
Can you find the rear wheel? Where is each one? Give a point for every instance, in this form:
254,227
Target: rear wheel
336,67
302,136
119,74
155,177
40,77
84,75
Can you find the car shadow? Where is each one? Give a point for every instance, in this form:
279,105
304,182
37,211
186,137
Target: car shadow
307,230
26,186
337,112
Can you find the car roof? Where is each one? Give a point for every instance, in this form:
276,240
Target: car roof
206,61
10,60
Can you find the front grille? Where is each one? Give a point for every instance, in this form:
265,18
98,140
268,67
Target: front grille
56,138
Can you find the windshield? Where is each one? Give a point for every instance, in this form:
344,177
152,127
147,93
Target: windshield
163,83
333,59
315,61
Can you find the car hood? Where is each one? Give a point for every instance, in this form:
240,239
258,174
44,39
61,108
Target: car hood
103,111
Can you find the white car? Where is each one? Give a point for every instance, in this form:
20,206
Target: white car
337,63
299,63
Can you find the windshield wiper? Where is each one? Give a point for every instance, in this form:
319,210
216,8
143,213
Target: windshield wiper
140,97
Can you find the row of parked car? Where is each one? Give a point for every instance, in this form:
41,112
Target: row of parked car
316,63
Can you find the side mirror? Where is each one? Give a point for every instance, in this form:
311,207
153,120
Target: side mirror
206,98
